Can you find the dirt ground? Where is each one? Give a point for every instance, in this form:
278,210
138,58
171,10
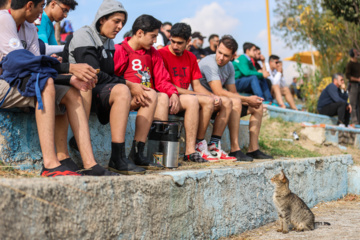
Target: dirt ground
343,215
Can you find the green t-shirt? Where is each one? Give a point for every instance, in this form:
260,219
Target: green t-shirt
244,67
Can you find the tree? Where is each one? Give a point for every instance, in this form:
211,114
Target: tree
348,9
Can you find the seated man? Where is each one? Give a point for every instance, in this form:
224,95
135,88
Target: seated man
219,79
278,84
248,79
16,27
184,70
140,63
196,45
213,44
334,100
55,10
162,39
113,97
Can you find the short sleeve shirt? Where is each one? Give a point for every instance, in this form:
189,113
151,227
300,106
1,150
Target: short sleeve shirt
211,72
46,30
183,69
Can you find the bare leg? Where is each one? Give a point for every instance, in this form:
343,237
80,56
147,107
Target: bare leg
45,121
120,99
234,124
162,107
145,116
222,118
61,133
207,109
87,98
285,91
254,127
275,90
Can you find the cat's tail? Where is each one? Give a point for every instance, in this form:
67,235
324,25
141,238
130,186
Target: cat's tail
322,224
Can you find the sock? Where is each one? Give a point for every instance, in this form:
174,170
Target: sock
199,140
214,139
138,145
117,150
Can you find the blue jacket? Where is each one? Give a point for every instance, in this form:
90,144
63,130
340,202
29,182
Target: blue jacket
21,63
331,94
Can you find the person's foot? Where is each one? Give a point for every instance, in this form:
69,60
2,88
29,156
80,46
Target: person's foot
58,171
68,162
73,144
259,155
137,156
216,151
241,157
97,170
195,157
202,149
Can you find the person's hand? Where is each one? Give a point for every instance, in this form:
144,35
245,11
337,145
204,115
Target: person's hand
81,85
174,104
84,72
138,92
60,59
254,101
266,74
349,108
262,58
343,86
217,101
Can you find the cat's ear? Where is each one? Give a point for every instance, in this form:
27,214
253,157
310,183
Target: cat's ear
282,175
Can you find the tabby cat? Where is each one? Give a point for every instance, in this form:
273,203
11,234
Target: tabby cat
291,209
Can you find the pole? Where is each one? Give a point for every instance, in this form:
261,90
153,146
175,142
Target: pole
268,25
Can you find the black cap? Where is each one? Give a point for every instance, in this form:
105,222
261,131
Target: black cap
197,35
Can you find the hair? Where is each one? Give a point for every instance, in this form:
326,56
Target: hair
273,57
166,23
182,30
336,76
212,36
257,47
97,25
248,46
146,23
18,4
3,3
352,53
229,42
71,3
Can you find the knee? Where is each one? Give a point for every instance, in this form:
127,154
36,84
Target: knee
258,111
209,104
189,102
120,92
227,103
162,100
152,95
49,87
236,104
73,95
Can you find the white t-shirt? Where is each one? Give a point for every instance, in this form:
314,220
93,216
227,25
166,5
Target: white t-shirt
11,39
159,41
276,77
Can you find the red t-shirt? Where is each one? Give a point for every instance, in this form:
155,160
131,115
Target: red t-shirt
183,69
143,66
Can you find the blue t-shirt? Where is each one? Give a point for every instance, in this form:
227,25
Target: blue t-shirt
46,30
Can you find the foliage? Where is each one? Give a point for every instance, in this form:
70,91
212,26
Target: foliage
348,9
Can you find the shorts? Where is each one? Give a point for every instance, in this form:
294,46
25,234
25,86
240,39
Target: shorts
244,112
100,101
15,99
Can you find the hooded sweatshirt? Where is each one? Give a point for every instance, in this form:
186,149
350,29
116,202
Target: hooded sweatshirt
88,46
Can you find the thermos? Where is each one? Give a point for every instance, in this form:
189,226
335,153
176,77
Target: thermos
163,143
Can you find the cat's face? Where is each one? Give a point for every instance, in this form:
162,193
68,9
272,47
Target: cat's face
279,179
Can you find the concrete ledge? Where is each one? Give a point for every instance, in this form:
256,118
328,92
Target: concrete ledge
289,115
203,204
354,180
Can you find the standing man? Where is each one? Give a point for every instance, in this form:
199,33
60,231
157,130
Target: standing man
196,45
184,71
219,79
162,39
138,61
213,44
353,74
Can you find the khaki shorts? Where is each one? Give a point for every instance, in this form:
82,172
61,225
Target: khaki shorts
14,98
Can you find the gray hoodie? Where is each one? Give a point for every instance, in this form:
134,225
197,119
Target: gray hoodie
88,46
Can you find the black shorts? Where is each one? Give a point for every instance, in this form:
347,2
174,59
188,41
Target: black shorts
100,101
244,113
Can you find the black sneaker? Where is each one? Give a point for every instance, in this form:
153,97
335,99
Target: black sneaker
259,155
195,157
241,157
125,166
58,171
137,156
73,144
97,170
68,162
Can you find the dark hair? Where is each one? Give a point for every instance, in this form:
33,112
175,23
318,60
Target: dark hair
146,23
336,75
248,46
229,42
273,57
257,47
352,53
18,4
71,3
3,3
166,23
182,30
97,25
212,36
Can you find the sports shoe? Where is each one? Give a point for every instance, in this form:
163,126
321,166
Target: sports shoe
97,170
195,157
137,156
241,157
58,171
68,162
201,148
259,155
216,151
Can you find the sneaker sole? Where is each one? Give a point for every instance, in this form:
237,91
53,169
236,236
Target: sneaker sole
213,161
227,160
126,172
151,167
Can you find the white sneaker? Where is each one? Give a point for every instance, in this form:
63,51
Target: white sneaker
202,149
216,151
